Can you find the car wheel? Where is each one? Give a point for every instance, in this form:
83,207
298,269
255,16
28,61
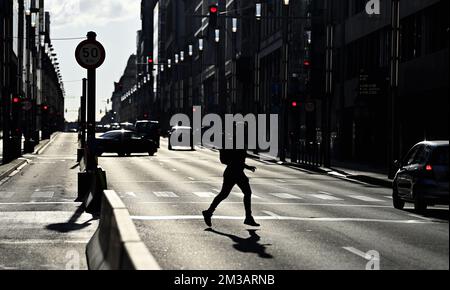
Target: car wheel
152,153
420,205
398,202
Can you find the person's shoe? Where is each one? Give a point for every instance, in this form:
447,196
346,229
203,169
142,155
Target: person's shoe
250,221
207,216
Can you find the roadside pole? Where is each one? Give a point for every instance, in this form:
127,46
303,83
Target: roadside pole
90,54
81,150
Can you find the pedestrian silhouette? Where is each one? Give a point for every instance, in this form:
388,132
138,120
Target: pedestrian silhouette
248,245
234,175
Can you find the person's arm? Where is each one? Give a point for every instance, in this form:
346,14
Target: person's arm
251,168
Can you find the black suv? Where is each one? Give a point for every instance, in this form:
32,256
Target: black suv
150,130
422,177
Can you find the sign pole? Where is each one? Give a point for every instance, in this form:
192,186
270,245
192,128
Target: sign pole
91,164
90,54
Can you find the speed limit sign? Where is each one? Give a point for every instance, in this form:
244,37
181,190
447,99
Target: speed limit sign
90,54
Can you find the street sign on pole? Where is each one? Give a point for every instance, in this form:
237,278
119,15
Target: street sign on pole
90,54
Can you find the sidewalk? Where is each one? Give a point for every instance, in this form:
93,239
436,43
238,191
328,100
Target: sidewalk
342,170
7,169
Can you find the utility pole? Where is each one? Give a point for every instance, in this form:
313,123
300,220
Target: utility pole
395,139
326,110
285,77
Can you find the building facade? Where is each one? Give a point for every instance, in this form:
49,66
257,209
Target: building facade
30,81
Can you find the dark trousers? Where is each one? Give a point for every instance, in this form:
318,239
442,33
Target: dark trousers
233,177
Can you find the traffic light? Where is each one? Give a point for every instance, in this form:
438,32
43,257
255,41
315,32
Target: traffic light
17,108
213,14
150,60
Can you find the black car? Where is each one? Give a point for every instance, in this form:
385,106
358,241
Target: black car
124,143
422,177
150,130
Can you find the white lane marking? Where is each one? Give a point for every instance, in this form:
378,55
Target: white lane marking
6,194
269,213
420,217
43,195
388,197
357,252
240,195
131,194
191,178
326,193
205,194
285,196
165,194
365,198
274,203
325,197
37,242
41,203
174,170
281,218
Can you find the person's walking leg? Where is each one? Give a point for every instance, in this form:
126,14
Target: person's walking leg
244,185
228,185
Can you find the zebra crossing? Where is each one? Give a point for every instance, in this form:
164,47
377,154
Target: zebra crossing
207,195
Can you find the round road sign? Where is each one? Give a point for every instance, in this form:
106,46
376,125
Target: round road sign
90,54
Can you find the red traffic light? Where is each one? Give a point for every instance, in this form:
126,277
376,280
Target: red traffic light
294,104
213,9
16,100
150,60
45,107
307,63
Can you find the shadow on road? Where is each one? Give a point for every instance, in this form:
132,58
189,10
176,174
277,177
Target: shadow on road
247,245
72,224
434,213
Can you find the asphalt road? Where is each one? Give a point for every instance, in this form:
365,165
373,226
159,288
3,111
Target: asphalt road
40,227
309,221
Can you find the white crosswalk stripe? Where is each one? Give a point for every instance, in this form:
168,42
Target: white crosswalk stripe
285,196
165,194
326,197
205,194
240,195
365,198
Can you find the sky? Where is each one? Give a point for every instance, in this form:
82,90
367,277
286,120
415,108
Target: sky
116,23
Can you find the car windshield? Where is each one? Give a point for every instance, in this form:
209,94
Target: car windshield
110,135
146,126
440,156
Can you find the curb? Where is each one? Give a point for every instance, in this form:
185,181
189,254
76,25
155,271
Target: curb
116,244
43,144
12,167
329,172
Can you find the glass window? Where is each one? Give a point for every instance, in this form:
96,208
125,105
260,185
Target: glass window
410,157
440,156
422,155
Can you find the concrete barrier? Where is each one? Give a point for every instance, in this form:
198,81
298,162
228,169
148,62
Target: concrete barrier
116,244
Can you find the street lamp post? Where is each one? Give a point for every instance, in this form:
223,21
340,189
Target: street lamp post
285,76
